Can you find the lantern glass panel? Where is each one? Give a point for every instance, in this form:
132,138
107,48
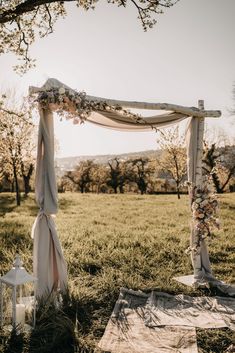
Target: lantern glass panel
25,305
25,302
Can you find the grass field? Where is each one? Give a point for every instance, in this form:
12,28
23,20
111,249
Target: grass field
112,241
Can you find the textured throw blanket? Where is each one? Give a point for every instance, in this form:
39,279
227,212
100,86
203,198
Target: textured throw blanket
163,323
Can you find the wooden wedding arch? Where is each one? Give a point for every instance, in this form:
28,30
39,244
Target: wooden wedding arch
49,263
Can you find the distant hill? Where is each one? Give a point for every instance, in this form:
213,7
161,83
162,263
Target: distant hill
69,163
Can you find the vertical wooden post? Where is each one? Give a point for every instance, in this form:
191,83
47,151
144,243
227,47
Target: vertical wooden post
200,260
198,180
1,312
196,257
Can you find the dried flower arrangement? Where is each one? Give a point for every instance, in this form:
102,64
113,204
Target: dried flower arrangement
205,213
75,105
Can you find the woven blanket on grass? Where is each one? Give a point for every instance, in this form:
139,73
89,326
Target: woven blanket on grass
162,323
183,310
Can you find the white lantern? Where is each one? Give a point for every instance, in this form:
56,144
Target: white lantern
18,302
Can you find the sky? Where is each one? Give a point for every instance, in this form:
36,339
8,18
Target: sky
188,55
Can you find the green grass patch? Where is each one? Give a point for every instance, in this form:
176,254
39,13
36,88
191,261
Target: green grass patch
112,241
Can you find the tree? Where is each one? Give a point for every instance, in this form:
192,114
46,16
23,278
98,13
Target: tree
65,184
16,143
117,175
219,162
82,175
6,177
27,169
22,21
141,173
173,158
99,177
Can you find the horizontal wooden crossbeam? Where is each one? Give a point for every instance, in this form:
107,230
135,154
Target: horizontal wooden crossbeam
188,111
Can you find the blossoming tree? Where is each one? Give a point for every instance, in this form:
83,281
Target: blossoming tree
21,21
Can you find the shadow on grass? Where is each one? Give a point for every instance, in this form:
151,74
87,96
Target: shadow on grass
90,310
65,204
32,209
54,331
222,257
214,340
57,328
63,324
7,204
12,343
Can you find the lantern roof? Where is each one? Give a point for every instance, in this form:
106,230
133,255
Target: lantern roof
17,275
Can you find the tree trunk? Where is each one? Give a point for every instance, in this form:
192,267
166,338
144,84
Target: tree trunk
177,177
26,178
16,186
216,183
228,179
27,188
178,191
121,188
142,189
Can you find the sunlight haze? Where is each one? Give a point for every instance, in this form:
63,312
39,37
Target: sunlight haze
188,55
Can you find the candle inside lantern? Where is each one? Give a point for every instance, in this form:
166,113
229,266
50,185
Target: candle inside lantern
20,314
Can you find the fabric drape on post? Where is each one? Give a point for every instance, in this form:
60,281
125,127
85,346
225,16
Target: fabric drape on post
195,129
48,261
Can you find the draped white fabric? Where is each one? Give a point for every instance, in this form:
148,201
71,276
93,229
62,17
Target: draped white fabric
48,261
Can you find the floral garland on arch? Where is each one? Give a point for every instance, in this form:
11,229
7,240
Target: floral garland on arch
75,105
205,214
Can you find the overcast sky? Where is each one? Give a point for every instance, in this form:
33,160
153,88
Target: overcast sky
188,55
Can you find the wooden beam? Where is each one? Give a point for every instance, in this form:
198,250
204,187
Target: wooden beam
201,124
188,111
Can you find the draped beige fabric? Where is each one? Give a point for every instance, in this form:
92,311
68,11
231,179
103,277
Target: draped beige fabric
120,122
48,261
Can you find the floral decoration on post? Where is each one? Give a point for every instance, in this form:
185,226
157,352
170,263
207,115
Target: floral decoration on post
205,214
75,105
